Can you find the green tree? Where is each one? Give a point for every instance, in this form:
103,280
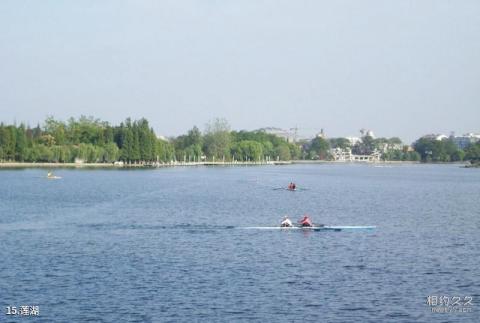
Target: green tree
342,143
146,141
193,152
413,156
282,152
20,144
457,155
136,143
366,146
247,150
217,139
472,153
165,151
319,148
111,152
194,137
434,150
6,141
43,153
56,129
61,154
295,151
47,140
129,141
11,143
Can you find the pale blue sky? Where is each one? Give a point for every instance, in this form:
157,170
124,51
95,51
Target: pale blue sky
402,68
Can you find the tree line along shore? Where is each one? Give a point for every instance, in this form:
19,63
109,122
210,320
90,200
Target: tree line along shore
96,143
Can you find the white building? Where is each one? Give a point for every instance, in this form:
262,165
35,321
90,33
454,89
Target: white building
466,140
345,155
438,137
340,154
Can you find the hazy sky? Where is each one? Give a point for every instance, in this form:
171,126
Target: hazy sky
401,68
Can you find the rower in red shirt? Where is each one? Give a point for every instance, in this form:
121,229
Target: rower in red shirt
305,222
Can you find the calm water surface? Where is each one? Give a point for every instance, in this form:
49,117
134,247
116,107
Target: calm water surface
168,244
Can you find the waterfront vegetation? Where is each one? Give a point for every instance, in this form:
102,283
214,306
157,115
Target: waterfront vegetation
85,139
94,141
91,140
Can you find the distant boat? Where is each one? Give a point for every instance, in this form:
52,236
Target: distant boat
51,176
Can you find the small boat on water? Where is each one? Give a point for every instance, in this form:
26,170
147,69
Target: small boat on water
306,224
51,176
317,228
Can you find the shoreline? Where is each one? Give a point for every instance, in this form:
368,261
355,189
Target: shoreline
139,165
357,162
7,165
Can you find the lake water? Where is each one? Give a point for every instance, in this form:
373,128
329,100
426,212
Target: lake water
170,244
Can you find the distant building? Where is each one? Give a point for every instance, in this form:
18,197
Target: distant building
466,140
386,146
282,133
435,136
363,133
340,154
321,134
345,155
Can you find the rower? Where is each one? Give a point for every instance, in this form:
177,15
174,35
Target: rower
286,222
305,222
